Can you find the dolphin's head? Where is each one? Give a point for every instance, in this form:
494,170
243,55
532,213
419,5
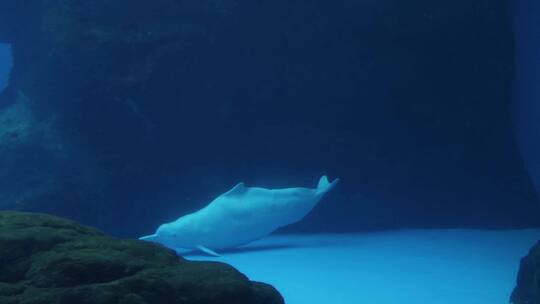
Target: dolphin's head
172,235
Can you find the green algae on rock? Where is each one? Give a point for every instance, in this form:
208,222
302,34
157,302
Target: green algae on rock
46,259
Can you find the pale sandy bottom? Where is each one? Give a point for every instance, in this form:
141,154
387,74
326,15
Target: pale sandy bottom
412,266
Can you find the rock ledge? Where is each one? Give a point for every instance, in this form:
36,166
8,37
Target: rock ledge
49,260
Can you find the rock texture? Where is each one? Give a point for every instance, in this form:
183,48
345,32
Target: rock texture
49,260
527,21
527,290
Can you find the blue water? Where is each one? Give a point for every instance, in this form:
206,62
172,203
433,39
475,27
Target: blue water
428,112
6,63
404,103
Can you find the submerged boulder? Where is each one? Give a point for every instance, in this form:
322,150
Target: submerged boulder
527,290
46,259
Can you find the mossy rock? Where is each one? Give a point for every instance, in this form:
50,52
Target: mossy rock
49,260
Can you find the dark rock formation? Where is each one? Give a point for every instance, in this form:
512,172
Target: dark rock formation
161,105
527,92
527,290
45,259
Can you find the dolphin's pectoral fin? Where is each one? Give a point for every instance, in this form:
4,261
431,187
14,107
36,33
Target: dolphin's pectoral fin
207,251
239,189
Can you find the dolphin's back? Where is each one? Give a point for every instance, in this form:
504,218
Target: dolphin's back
254,212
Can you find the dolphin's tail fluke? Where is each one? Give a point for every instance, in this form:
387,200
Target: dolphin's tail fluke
325,186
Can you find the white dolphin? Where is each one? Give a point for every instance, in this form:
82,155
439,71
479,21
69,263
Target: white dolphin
239,216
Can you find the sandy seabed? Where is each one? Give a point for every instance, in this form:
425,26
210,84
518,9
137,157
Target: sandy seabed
409,266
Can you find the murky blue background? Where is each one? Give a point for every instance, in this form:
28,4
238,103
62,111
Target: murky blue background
412,105
5,64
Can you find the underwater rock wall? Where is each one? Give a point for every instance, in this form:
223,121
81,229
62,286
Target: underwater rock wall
163,105
527,122
527,88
